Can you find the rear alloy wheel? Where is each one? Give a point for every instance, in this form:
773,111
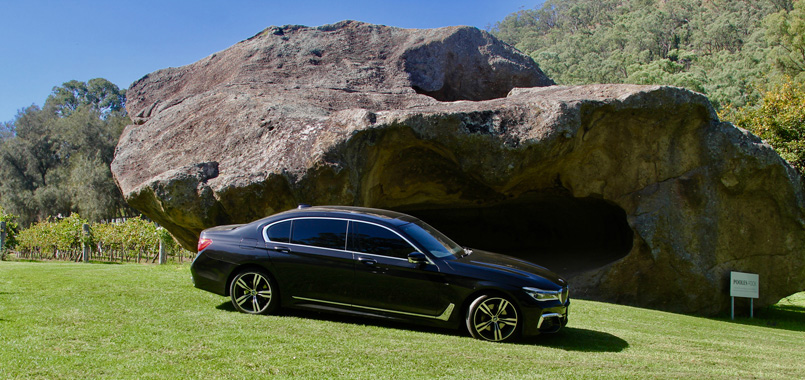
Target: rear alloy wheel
493,318
254,292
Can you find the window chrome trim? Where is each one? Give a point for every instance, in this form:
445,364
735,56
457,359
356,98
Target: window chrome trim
307,246
346,251
267,240
346,243
376,255
444,316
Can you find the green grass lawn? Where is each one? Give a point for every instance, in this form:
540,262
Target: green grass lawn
68,320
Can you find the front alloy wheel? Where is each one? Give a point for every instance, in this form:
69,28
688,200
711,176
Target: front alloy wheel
253,293
493,318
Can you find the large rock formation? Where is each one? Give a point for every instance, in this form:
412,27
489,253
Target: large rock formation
638,194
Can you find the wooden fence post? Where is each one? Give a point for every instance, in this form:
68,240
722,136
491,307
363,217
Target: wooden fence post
84,245
2,240
163,256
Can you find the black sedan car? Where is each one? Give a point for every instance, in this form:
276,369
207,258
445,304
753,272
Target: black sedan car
377,263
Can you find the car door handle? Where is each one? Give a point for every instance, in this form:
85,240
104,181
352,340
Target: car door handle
282,249
368,262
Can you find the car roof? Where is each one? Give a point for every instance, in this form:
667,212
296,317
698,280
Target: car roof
351,212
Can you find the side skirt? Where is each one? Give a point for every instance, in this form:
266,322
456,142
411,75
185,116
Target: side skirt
444,316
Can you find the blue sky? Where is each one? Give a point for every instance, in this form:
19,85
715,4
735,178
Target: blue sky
46,43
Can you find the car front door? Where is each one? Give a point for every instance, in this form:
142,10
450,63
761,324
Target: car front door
386,281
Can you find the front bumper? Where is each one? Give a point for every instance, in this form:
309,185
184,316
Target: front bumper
549,320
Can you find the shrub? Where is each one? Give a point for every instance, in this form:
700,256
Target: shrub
779,120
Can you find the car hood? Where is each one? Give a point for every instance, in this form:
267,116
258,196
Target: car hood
509,265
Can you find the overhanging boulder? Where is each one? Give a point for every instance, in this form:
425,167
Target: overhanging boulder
638,194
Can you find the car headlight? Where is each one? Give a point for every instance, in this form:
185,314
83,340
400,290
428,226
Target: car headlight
544,295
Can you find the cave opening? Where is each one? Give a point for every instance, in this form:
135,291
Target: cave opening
565,234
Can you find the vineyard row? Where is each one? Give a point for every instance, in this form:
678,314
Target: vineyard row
132,240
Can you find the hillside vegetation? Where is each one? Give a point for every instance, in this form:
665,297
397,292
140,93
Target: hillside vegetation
747,56
718,47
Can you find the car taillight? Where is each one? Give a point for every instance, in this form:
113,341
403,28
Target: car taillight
203,243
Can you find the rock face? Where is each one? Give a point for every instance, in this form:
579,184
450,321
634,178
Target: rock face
637,194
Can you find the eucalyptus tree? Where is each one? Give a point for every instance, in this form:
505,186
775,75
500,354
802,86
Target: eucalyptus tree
786,33
55,159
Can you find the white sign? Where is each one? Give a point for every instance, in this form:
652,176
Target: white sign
746,285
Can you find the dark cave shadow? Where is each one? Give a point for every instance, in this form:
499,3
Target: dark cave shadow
568,339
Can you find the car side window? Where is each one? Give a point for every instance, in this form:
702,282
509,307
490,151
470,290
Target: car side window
326,233
280,232
370,238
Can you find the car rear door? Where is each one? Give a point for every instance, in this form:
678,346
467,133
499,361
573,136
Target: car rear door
310,259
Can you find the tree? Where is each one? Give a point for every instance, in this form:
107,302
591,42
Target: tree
98,95
34,151
26,161
11,229
786,33
92,188
6,131
779,120
55,160
783,5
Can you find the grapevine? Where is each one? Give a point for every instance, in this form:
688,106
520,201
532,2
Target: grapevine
135,239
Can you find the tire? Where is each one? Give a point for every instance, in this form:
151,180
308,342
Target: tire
493,318
254,292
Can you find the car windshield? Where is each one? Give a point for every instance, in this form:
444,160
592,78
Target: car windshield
433,240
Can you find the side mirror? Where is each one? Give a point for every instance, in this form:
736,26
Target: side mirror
417,258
